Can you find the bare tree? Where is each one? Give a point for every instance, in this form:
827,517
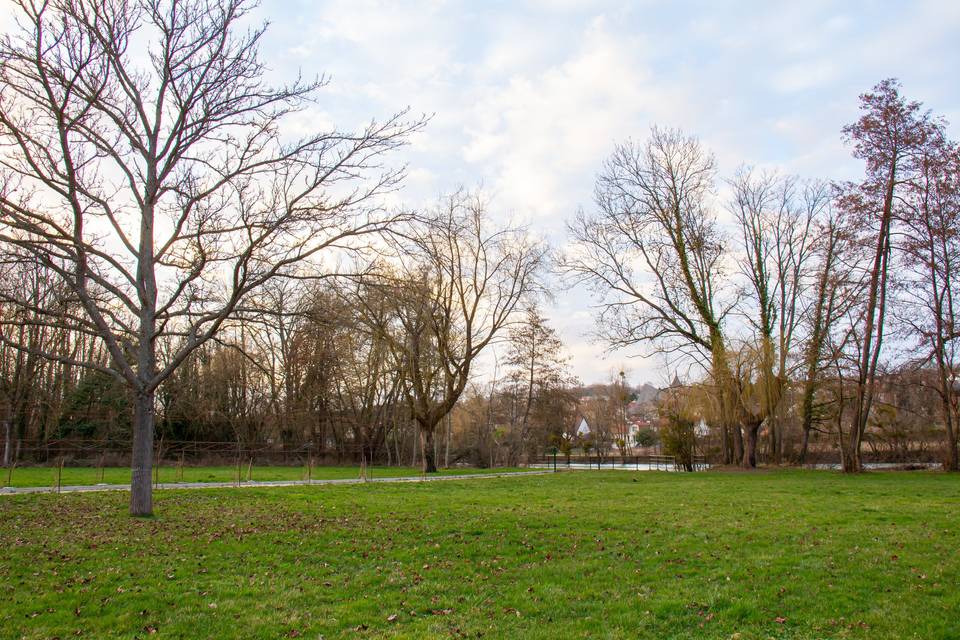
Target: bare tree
154,179
890,137
656,256
837,290
932,251
457,289
776,216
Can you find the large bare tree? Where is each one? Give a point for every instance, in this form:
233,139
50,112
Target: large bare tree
891,137
776,216
456,291
656,256
836,291
144,163
932,252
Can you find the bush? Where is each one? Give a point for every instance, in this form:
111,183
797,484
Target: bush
679,439
645,437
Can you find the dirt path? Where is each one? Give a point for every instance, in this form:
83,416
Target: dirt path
267,483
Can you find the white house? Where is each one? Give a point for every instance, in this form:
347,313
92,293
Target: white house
584,429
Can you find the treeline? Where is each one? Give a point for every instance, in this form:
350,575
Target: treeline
806,310
364,366
813,319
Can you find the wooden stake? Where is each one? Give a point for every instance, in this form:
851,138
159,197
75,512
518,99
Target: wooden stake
238,478
249,469
156,466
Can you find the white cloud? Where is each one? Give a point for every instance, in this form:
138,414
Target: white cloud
806,75
542,135
530,97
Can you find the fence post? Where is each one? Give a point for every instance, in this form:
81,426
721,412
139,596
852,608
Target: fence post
156,467
238,477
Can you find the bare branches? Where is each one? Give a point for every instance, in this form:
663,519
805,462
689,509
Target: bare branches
455,290
654,251
144,161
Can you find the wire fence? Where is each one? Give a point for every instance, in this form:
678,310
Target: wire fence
652,462
75,452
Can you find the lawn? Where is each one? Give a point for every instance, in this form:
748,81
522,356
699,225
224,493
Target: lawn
47,476
571,555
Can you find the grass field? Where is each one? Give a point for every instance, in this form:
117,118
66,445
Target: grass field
572,555
47,476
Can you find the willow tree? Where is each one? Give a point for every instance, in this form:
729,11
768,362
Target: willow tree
145,164
776,216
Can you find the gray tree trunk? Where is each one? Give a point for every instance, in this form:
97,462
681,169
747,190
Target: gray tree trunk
141,485
429,453
7,443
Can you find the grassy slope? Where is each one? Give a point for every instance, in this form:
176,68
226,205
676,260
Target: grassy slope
46,476
576,555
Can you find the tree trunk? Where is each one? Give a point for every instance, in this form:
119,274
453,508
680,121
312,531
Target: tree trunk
774,440
725,444
446,453
737,442
749,459
806,410
804,445
851,457
429,459
7,443
951,463
141,486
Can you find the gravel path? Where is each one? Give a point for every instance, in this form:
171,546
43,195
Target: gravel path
266,483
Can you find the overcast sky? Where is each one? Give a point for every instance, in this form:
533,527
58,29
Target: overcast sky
529,97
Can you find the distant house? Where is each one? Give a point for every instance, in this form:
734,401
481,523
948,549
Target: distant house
701,429
584,429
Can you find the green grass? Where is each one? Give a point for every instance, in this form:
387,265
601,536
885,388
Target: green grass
572,555
47,476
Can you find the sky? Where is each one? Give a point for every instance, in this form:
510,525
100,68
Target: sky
528,98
